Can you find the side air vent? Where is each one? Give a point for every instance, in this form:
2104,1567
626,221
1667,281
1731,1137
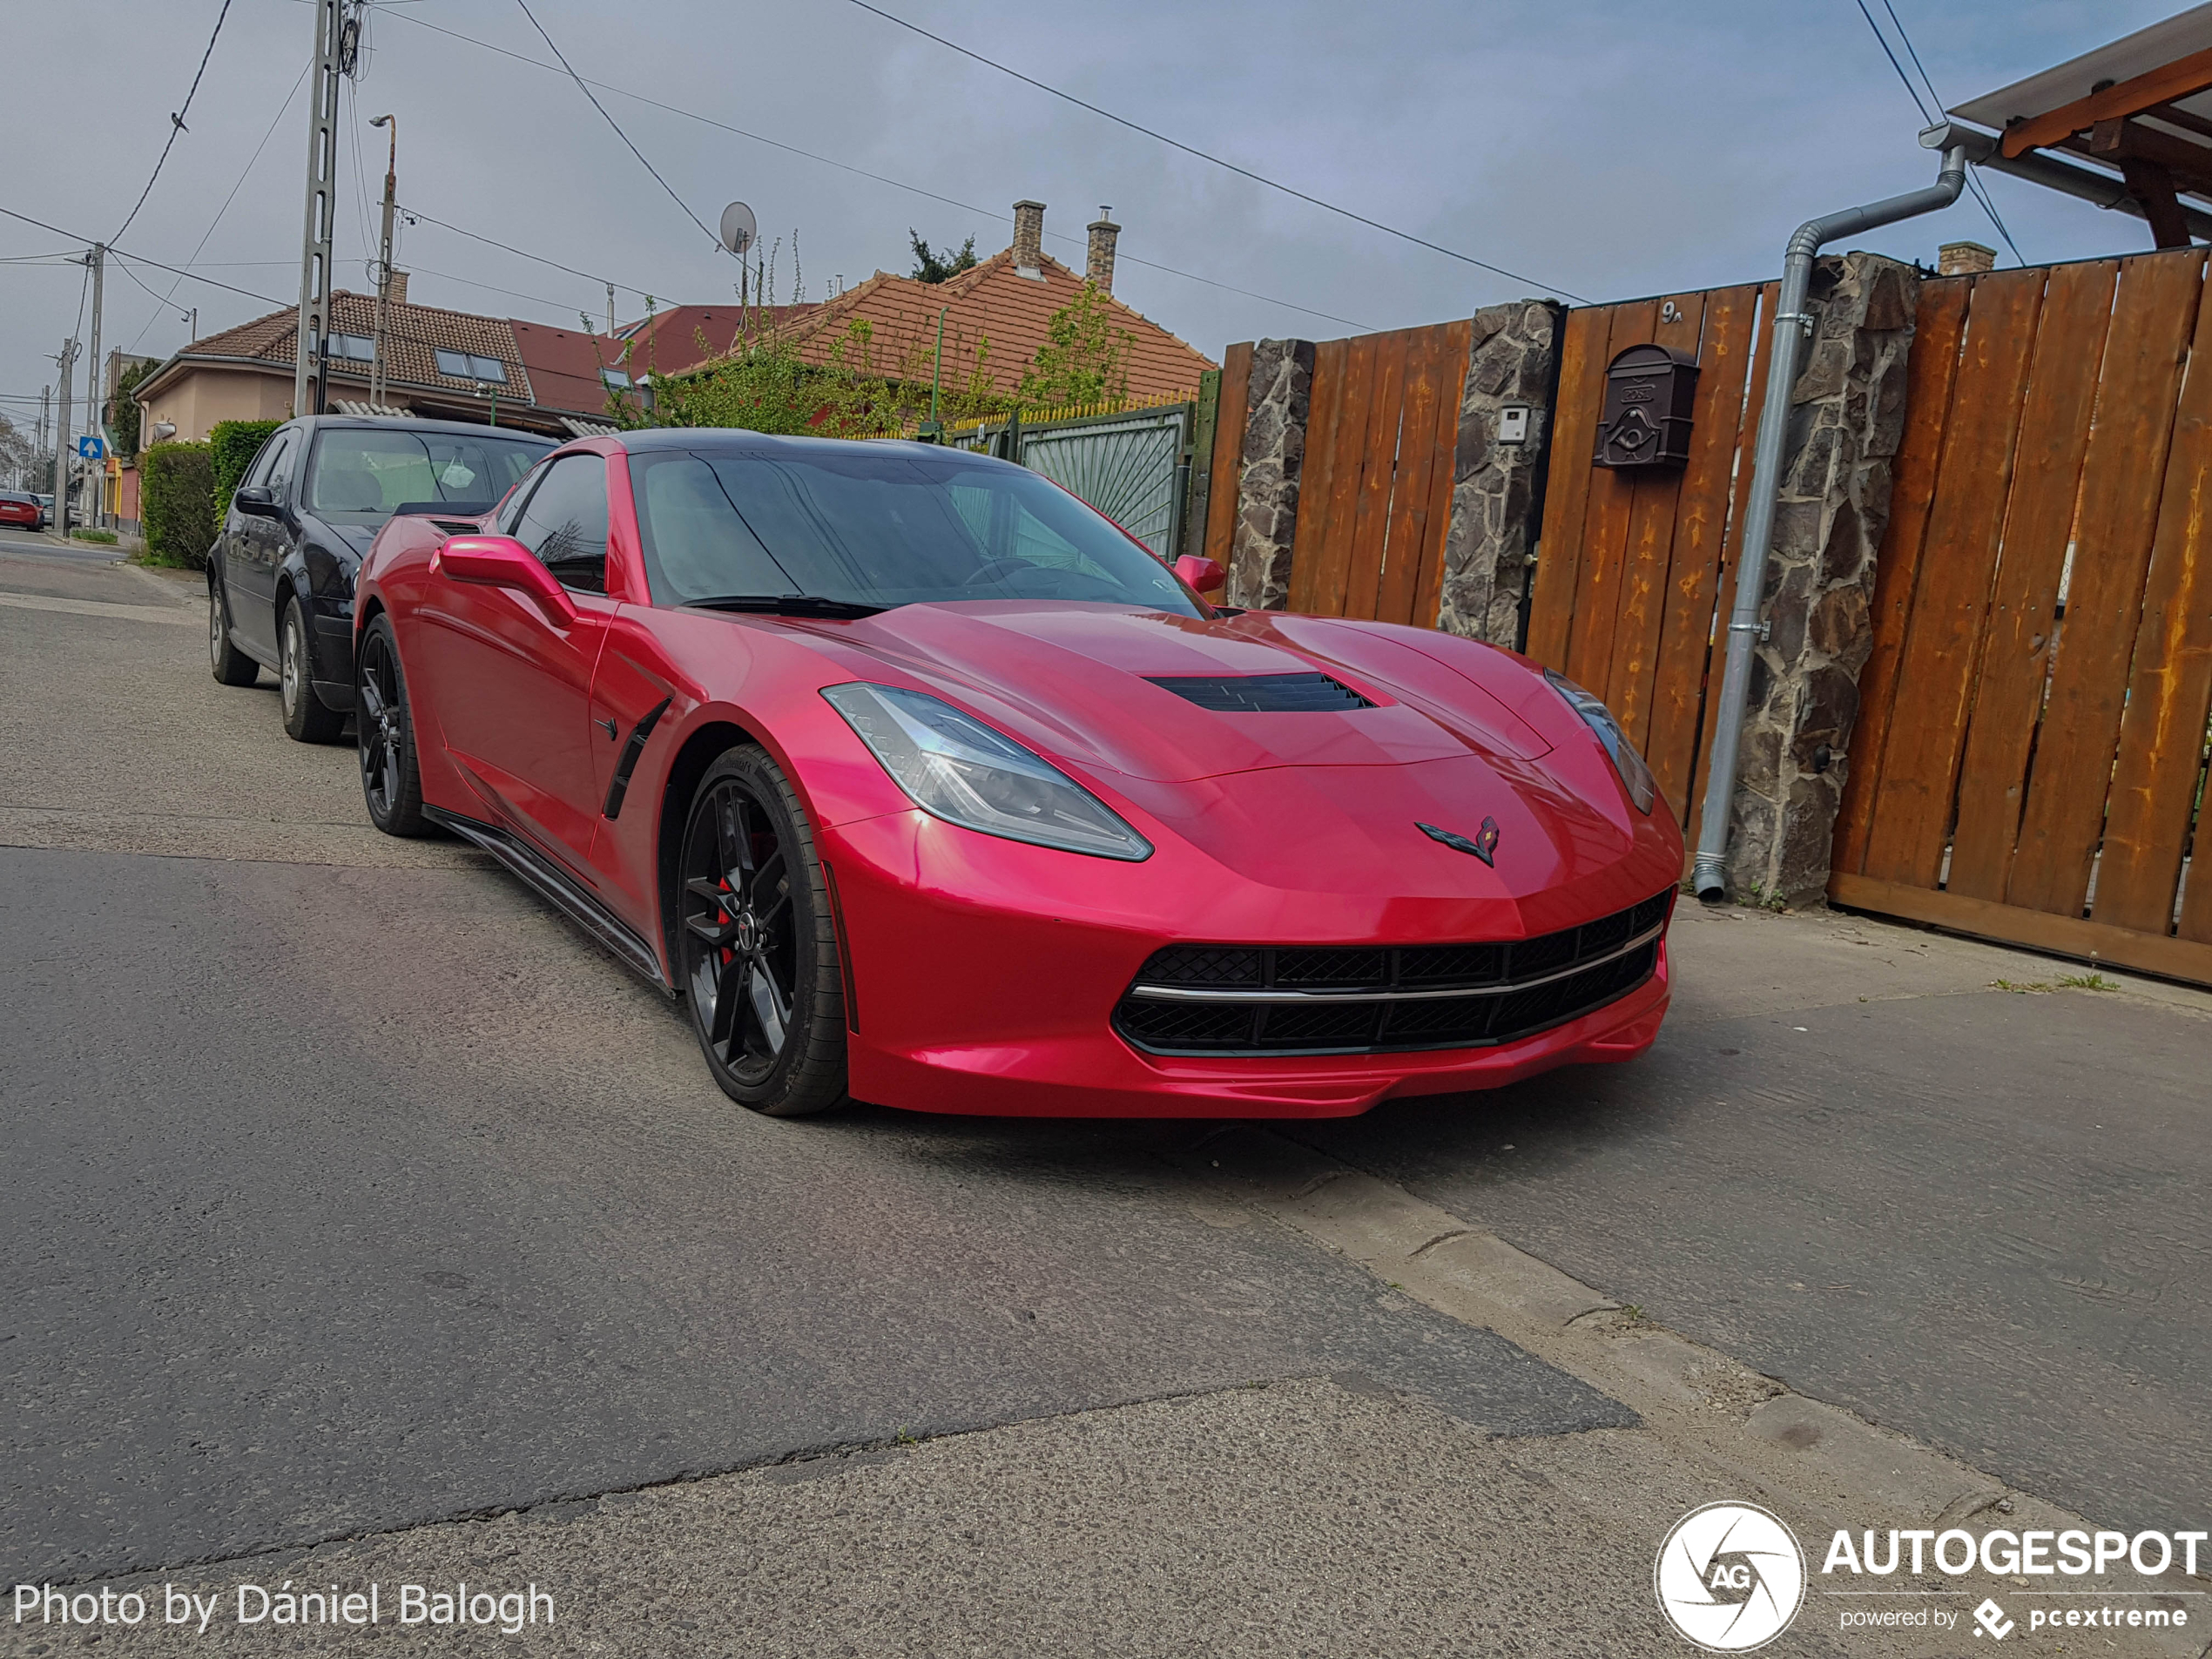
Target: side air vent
1264,693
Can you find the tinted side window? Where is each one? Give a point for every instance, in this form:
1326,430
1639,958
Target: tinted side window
277,453
565,523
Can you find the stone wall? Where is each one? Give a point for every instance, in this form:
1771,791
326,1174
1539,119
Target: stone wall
1846,419
1274,456
1497,488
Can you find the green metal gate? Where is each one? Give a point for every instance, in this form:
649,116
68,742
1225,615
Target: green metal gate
1133,465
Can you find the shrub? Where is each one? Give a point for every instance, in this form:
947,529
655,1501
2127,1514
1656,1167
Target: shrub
176,504
232,446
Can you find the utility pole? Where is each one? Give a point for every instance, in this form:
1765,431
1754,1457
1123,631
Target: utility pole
384,263
310,365
45,406
611,311
95,403
67,361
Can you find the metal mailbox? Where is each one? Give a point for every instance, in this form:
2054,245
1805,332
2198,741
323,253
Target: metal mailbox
1649,394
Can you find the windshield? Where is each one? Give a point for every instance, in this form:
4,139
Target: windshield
361,476
869,524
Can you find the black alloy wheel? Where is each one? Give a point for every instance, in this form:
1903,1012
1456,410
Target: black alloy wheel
232,666
756,949
391,781
305,718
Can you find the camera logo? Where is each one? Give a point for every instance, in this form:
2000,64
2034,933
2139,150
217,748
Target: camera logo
1729,1577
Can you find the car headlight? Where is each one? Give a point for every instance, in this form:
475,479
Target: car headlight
961,771
1643,787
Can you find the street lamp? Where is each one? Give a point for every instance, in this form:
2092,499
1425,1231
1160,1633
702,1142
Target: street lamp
384,263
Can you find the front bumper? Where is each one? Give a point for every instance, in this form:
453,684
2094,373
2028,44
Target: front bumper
985,976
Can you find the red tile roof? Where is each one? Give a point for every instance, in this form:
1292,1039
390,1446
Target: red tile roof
565,364
412,334
668,342
992,305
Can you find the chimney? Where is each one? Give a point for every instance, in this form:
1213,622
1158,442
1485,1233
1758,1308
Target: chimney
399,287
1964,259
1028,239
1098,266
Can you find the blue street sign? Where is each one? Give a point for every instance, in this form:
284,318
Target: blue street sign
91,448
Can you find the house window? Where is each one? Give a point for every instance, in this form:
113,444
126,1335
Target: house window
614,379
466,365
360,347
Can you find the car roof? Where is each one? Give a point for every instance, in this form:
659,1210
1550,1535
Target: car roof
385,423
737,440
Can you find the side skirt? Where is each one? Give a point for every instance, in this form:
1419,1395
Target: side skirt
605,929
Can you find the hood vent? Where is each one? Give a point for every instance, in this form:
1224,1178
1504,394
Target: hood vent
1264,693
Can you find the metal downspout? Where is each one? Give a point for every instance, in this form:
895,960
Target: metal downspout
1791,326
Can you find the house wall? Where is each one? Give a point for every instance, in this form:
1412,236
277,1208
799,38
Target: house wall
197,399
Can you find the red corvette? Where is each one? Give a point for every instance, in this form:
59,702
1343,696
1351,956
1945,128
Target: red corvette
923,783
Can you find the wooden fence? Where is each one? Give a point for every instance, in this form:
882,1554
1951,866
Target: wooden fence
2030,758
1374,500
1634,570
1375,486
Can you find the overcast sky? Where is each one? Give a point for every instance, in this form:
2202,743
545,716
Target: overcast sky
1604,147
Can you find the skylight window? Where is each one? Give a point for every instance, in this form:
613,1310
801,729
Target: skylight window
359,348
466,365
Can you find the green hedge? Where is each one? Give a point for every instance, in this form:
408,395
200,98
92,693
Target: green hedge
232,444
176,504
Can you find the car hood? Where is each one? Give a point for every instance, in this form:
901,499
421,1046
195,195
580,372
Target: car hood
1077,683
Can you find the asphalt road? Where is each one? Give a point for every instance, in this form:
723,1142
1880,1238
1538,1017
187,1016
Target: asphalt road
345,1198
347,1188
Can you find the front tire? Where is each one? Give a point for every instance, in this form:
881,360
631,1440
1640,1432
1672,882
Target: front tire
305,719
756,949
384,732
232,666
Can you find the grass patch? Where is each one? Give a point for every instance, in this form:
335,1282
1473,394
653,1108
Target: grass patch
2087,982
105,539
2021,988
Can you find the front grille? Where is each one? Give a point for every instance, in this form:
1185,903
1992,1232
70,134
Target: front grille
1257,1000
1262,693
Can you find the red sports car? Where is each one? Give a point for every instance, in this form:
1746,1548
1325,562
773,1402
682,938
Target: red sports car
921,782
23,510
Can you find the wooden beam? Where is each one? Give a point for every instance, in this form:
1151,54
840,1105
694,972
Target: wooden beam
2094,942
2180,118
2189,165
2153,186
2181,79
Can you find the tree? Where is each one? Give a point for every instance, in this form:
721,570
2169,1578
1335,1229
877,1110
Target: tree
123,408
1084,359
933,266
18,462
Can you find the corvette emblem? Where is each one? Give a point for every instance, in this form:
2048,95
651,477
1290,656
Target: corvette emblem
1484,845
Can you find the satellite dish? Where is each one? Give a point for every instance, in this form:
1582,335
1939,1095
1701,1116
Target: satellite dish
740,229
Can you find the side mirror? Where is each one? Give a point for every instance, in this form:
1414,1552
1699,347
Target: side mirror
503,562
255,500
1200,576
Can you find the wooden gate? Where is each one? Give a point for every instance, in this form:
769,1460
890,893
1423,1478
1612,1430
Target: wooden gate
1375,496
1633,569
2030,758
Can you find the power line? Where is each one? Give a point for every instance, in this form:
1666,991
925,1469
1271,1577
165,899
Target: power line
1974,179
506,247
175,121
845,166
169,303
1189,150
611,122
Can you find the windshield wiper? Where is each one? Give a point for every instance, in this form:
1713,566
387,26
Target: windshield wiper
787,605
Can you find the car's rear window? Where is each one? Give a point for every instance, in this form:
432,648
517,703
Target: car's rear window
358,474
877,525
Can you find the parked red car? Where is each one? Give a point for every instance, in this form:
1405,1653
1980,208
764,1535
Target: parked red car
922,784
21,510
